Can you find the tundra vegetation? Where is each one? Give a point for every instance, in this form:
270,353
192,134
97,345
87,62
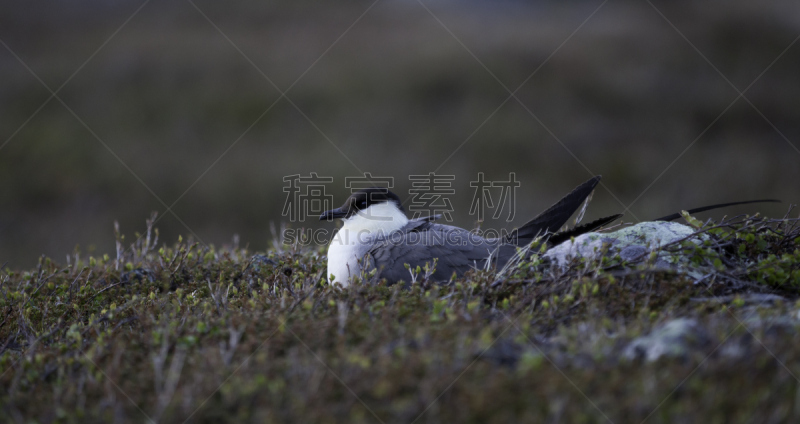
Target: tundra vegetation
181,332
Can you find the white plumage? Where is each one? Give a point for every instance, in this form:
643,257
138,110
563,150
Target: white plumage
351,242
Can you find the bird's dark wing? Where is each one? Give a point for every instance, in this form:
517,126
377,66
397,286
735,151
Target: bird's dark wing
558,238
552,219
708,208
456,249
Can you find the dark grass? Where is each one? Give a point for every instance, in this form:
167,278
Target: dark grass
201,334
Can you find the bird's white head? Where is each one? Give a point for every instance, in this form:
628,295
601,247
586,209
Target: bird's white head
370,211
367,214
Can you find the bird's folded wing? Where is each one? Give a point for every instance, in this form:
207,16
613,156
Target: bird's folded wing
456,249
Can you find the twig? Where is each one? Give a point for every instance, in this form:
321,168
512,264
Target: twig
111,286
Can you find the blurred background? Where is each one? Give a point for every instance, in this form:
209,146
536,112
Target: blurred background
177,100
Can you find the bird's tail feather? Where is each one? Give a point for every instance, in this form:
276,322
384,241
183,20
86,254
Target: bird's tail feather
717,206
552,219
547,223
557,238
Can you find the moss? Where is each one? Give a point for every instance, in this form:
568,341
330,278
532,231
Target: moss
184,331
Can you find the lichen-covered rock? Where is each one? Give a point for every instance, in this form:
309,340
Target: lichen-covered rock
260,262
631,244
676,338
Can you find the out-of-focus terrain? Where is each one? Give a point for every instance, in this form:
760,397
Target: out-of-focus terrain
178,101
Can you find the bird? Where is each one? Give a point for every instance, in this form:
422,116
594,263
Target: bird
377,235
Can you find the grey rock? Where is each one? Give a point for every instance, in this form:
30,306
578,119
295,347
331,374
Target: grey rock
632,252
261,262
676,338
632,244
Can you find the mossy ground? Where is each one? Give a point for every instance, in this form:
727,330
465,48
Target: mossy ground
190,333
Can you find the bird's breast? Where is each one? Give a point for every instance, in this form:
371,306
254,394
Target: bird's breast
345,257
